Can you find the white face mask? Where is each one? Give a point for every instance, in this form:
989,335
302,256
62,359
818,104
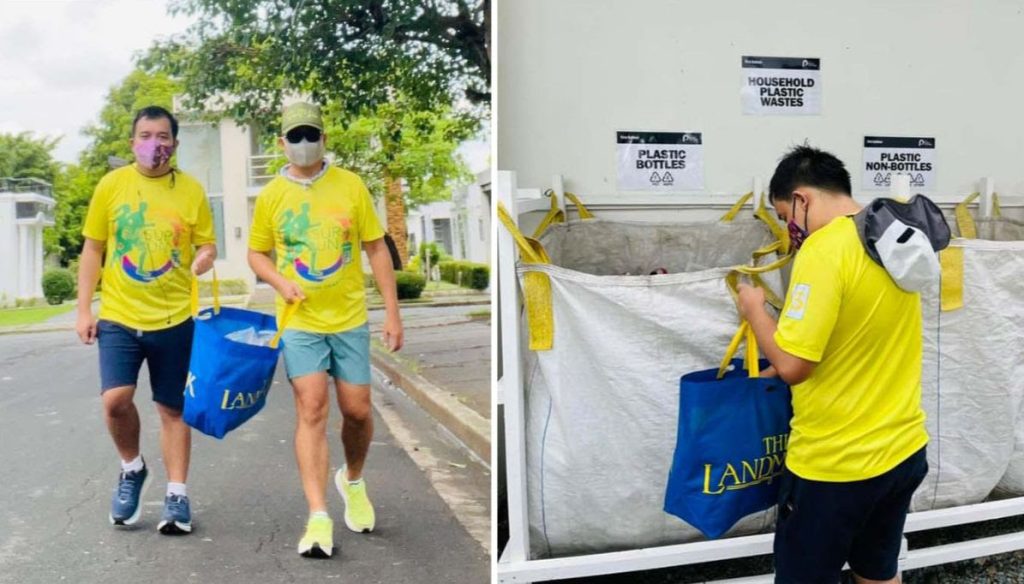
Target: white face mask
304,153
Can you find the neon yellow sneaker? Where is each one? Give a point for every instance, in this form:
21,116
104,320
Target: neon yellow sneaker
359,516
318,542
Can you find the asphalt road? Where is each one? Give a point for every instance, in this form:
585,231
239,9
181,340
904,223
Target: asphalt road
59,469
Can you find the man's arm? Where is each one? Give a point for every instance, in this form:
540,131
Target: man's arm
88,276
265,269
384,273
790,368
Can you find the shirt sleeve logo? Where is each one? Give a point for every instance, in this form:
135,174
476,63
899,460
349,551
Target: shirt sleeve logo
798,303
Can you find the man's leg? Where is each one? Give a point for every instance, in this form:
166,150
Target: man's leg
859,580
175,443
350,367
121,357
311,413
816,523
122,420
356,426
874,554
306,360
168,353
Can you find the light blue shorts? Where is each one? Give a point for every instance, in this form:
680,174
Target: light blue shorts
344,355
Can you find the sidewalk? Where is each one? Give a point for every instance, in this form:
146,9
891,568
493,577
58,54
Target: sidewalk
445,367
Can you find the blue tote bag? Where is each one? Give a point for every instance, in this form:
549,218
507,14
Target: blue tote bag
731,441
228,380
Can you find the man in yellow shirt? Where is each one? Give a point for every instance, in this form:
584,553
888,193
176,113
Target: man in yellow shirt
317,217
154,226
849,343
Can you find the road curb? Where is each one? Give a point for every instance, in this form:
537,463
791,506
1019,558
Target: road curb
467,425
28,329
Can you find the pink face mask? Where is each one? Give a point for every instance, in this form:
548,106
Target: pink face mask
797,234
151,153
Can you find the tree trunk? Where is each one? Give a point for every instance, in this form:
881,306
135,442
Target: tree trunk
396,215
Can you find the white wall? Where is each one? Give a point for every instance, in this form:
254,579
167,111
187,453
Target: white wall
573,72
8,261
235,148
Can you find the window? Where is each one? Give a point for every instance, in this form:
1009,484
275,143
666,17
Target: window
199,155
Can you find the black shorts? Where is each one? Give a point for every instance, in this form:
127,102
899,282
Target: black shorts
822,525
167,351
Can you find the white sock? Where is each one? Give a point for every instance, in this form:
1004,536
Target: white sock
319,514
176,489
132,465
358,481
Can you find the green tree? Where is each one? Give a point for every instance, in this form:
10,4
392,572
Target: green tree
354,52
110,136
25,156
395,143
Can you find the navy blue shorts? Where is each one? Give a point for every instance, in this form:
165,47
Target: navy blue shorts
822,526
166,351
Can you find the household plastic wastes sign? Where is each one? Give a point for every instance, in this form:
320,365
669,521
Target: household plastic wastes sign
781,86
886,156
660,161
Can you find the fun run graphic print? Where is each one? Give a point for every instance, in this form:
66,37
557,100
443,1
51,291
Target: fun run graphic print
146,249
317,250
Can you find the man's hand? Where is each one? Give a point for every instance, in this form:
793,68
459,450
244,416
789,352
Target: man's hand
290,291
85,326
752,299
394,336
203,261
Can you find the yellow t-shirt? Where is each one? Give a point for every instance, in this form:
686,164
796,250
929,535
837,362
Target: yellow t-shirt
151,230
317,230
859,413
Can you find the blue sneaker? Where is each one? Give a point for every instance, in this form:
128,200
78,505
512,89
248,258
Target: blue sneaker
177,517
126,507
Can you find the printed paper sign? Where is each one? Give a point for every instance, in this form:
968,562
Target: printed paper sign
781,86
885,157
660,161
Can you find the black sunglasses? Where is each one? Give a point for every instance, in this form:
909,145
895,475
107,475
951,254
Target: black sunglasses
295,135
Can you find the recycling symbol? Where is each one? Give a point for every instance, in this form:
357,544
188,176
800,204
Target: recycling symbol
882,179
668,179
655,178
917,180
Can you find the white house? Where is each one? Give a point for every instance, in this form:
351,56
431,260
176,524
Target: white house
228,160
26,207
461,226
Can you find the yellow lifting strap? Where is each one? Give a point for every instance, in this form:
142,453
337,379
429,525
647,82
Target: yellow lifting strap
732,279
580,208
540,319
555,215
964,221
951,293
736,208
751,359
778,230
997,209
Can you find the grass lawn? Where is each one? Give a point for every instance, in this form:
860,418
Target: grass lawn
34,315
442,285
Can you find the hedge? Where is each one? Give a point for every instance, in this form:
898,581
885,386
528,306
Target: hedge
468,274
58,285
410,285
